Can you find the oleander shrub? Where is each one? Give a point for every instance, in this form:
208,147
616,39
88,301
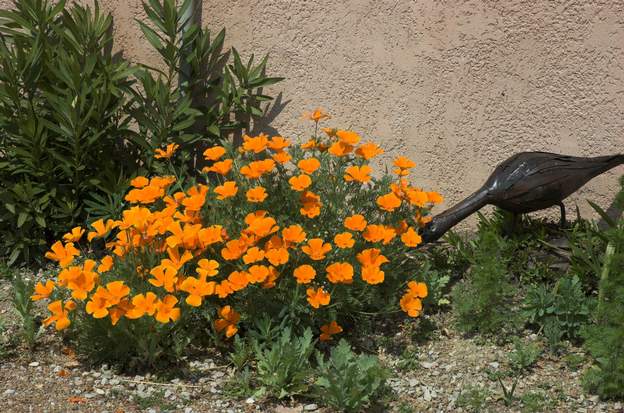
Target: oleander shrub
302,234
77,122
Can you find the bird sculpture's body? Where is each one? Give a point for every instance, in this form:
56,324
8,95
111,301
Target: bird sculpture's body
526,182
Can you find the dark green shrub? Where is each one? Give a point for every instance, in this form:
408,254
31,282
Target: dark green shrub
605,338
67,103
483,301
564,308
348,381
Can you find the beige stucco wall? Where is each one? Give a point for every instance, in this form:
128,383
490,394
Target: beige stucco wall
456,85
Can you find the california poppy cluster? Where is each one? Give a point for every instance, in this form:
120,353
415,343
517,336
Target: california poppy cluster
311,221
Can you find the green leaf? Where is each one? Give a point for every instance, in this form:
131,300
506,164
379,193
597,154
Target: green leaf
10,207
21,219
603,214
41,221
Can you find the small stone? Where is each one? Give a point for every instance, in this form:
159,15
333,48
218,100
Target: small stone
427,365
250,400
99,391
426,394
413,382
9,392
168,393
594,399
495,364
113,382
188,410
185,395
310,407
33,364
89,395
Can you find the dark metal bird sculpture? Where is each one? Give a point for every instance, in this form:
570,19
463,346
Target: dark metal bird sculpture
526,182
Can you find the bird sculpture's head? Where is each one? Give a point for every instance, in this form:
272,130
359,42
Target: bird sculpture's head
432,231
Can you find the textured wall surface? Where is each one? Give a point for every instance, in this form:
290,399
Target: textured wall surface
456,85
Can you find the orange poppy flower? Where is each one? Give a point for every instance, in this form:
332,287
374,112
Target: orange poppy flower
257,168
316,249
63,254
389,202
142,304
176,261
294,234
281,157
207,268
101,229
258,273
166,310
371,258
272,278
318,297
277,256
238,280
300,182
197,290
42,291
368,151
411,305
146,195
99,303
256,194
404,163
262,226
233,250
59,315
84,281
411,238
316,115
106,263
74,235
228,320
278,144
374,233
139,182
340,149
422,220
196,198
309,165
435,198
304,274
227,190
348,137
344,240
340,272
355,222
328,330
311,204
358,173
215,153
167,153
222,167
252,255
210,235
416,197
372,275
256,144
164,276
224,289
310,144
417,289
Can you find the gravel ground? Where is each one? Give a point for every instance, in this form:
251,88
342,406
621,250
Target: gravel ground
445,373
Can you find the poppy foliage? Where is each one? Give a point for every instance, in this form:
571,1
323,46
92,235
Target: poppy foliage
271,224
